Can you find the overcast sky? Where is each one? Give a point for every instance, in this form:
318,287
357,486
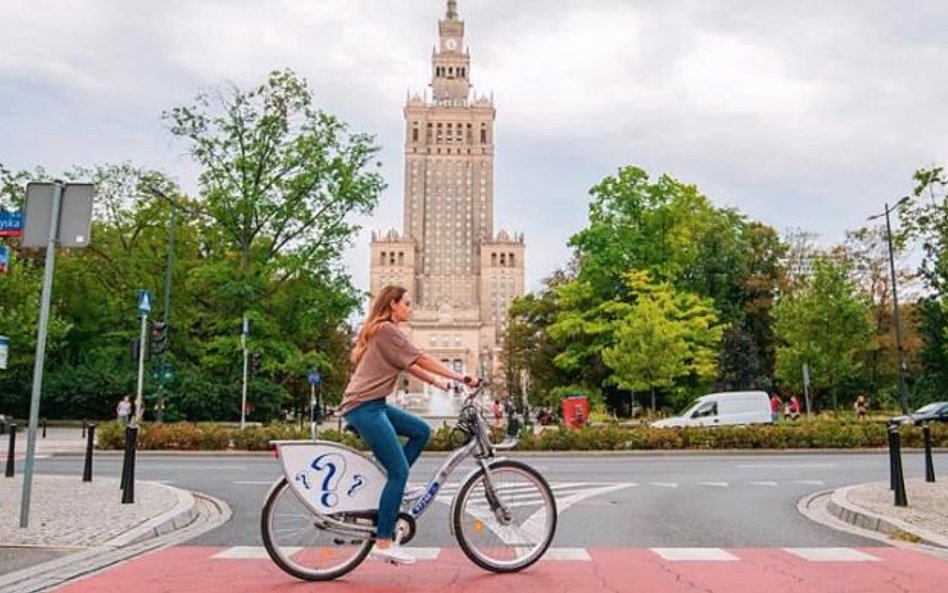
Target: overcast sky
801,114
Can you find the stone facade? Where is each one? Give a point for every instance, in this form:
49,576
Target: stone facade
461,275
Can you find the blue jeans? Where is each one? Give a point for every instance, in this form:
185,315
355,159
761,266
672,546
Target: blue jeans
379,425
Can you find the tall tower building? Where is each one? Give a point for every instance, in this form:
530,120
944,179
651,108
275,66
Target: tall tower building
462,276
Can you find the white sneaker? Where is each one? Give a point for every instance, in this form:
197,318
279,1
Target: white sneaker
393,554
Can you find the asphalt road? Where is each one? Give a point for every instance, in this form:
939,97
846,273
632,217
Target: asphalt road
730,501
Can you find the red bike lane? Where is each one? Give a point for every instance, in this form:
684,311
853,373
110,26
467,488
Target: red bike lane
658,570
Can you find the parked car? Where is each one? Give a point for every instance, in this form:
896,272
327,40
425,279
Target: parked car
723,409
933,412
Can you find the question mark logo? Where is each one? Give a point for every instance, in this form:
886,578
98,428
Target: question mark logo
334,465
302,477
358,481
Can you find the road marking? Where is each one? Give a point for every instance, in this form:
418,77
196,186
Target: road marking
693,554
664,484
582,554
831,555
260,553
787,465
811,482
715,484
765,483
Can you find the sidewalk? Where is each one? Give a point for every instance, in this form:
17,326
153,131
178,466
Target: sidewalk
78,527
872,507
58,440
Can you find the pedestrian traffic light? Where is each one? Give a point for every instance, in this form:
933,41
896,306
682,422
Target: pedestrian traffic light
159,337
255,360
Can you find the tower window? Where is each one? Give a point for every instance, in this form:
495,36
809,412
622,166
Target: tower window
483,136
414,135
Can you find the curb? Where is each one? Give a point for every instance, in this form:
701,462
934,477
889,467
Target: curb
59,570
839,506
183,514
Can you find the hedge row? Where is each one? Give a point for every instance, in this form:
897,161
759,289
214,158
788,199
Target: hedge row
813,434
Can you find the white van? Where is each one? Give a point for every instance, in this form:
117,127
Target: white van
723,409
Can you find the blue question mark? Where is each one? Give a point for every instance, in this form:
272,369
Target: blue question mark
358,481
330,462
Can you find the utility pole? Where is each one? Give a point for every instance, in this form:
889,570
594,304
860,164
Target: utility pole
245,329
903,388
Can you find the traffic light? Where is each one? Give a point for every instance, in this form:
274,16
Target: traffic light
159,337
255,360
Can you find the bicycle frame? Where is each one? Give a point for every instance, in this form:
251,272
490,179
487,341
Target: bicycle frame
478,446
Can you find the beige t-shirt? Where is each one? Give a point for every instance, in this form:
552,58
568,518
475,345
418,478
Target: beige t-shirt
389,352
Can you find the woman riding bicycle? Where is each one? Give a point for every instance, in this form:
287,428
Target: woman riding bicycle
381,352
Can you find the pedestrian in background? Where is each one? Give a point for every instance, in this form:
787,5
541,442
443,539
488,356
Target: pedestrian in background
776,405
793,408
124,410
861,406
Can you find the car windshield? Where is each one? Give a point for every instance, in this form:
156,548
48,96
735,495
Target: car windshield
928,409
690,408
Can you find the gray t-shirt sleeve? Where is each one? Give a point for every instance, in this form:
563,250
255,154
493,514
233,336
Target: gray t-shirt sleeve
396,348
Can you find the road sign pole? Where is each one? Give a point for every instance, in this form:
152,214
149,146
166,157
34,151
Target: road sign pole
312,410
141,370
243,397
40,355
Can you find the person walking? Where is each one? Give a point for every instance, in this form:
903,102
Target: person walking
124,410
861,407
380,354
776,404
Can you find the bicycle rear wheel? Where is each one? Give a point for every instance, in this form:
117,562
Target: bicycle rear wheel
302,549
505,543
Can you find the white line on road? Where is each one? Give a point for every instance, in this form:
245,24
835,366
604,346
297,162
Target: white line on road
787,466
811,482
715,484
687,554
764,483
831,554
664,484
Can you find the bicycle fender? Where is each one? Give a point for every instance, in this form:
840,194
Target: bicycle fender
469,476
331,478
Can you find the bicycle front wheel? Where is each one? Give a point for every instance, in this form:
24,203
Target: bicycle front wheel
302,549
512,531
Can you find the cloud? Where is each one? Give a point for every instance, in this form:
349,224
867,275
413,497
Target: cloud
804,114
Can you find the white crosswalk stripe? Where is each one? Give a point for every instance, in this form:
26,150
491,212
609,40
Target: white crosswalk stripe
583,555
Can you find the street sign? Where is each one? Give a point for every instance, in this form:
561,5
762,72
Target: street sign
4,349
315,378
4,259
11,223
144,302
75,214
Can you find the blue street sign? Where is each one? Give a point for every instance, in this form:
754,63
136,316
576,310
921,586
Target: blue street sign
315,378
4,259
144,302
11,223
4,348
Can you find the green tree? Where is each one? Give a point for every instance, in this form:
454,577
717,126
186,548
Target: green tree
664,336
826,324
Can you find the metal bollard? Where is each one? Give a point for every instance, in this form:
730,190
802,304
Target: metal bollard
84,422
11,451
44,428
128,492
125,456
890,434
929,465
901,500
90,441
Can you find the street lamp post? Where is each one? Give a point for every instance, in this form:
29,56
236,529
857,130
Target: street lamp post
166,306
903,390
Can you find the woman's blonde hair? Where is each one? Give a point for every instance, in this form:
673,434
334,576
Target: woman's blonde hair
380,313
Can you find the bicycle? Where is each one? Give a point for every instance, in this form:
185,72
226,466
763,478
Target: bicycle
318,520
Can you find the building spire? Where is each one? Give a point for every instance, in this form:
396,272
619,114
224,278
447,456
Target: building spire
452,10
